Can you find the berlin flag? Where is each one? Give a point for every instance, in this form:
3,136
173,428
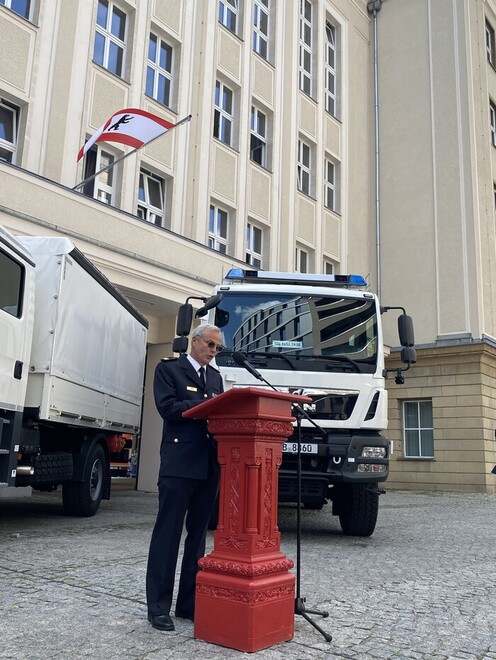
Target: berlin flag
131,126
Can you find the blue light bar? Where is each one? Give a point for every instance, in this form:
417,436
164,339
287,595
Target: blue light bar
264,276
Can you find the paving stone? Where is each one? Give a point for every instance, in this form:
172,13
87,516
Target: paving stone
422,587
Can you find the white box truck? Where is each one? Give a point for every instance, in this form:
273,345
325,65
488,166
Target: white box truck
72,358
321,336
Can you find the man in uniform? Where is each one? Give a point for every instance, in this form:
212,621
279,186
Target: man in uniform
188,479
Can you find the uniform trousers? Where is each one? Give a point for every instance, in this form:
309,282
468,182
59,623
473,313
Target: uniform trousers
179,498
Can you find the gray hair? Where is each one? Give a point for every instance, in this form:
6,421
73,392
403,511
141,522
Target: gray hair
200,330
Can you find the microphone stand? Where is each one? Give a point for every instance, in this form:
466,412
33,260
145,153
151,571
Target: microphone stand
300,607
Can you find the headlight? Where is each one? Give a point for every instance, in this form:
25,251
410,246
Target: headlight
371,467
374,452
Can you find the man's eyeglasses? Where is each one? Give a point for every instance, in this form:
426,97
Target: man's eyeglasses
211,344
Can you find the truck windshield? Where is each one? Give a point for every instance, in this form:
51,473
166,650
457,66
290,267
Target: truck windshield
287,330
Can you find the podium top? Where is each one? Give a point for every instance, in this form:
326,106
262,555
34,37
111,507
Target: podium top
247,402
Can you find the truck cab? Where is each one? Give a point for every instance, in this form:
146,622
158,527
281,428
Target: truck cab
320,336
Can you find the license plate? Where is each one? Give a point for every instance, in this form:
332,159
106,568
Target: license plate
305,448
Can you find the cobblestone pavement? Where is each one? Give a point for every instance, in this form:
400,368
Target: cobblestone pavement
423,586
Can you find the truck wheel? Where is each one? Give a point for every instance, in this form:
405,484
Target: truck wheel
358,511
82,498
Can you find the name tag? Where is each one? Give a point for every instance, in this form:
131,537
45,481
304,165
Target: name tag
191,389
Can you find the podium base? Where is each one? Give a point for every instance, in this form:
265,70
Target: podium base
246,614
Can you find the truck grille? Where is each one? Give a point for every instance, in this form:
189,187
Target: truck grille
329,404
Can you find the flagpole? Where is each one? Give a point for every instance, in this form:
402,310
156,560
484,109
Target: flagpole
118,160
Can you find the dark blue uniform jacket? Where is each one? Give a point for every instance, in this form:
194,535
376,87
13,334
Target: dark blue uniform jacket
186,445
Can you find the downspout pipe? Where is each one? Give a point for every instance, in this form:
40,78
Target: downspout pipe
374,7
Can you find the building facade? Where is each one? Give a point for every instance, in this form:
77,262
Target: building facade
277,168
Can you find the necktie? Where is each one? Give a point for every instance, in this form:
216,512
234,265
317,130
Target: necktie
201,373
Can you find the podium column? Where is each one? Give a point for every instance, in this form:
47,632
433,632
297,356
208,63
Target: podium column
245,594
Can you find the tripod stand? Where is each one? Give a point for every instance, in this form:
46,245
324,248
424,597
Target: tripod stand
299,601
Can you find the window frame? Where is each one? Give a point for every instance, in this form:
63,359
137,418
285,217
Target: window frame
261,39
258,137
492,122
147,207
304,169
305,49
110,38
8,5
229,15
328,267
330,186
6,145
419,428
98,187
302,260
216,239
330,70
490,44
223,116
159,72
253,257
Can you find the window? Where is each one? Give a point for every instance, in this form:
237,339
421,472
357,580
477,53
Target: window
102,187
258,138
328,267
21,7
304,165
9,122
11,285
330,198
492,116
110,37
490,43
418,429
159,70
305,49
261,12
228,14
223,115
254,237
301,260
217,229
151,193
330,70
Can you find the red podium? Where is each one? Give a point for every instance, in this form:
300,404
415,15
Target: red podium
245,594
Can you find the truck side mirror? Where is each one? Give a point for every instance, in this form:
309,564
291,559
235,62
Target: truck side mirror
408,355
405,330
184,320
407,340
183,327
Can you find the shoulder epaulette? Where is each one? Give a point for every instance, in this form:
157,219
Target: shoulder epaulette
169,359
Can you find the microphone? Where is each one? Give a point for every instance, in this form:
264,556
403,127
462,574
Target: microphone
241,361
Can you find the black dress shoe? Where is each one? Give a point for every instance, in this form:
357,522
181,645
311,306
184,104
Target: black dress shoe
161,622
184,615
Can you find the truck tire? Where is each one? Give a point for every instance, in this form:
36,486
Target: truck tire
82,498
358,511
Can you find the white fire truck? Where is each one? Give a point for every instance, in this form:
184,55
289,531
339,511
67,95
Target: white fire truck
321,336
